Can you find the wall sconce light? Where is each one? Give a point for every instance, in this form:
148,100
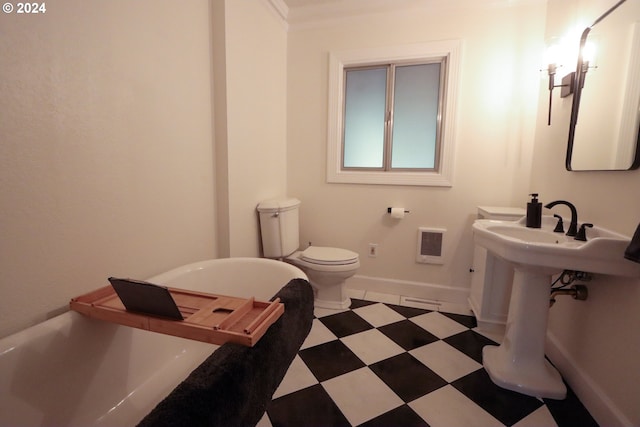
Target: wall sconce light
554,55
559,53
585,61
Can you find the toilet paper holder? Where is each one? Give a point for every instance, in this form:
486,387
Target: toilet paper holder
389,210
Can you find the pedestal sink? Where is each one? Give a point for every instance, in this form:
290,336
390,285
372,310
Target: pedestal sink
519,364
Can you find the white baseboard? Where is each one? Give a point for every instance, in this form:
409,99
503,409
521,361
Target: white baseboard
599,405
446,297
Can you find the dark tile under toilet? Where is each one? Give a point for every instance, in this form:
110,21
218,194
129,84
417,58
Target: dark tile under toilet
345,323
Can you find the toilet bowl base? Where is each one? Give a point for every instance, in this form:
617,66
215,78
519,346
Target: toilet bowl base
329,293
331,304
327,281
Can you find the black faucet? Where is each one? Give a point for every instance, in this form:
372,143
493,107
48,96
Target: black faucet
573,226
559,226
582,233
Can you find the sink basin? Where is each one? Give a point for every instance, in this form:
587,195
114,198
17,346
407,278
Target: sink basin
602,253
531,235
536,254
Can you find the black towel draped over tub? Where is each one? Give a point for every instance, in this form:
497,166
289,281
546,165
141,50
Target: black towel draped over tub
233,386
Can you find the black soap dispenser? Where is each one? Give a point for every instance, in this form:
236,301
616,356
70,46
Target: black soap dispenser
534,212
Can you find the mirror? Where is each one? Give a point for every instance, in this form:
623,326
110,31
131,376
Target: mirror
605,113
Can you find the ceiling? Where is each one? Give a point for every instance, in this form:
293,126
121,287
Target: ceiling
302,12
364,4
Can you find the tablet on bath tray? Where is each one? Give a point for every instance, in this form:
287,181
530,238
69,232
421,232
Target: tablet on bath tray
145,297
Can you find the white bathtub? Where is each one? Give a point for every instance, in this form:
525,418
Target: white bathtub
76,371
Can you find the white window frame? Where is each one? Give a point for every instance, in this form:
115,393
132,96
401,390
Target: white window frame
339,60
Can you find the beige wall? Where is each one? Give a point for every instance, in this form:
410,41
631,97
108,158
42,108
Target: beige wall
494,133
597,338
106,153
256,99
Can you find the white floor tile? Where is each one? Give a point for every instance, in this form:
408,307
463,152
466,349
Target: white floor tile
541,417
264,421
447,407
438,324
319,334
361,395
445,360
321,312
372,346
298,376
380,297
378,314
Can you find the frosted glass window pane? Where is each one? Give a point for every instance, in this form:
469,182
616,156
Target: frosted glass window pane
364,118
415,113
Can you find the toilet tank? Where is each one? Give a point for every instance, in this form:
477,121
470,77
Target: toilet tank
279,226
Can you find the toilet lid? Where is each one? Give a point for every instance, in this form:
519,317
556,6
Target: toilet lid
328,256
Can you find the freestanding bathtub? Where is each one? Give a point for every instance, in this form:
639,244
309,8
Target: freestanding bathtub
75,371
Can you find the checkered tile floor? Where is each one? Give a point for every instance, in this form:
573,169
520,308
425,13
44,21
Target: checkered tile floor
380,364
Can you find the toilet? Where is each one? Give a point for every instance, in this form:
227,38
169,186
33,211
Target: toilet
327,268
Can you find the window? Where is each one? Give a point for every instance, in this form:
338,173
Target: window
391,114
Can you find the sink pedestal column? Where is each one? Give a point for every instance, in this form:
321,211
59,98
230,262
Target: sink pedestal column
519,364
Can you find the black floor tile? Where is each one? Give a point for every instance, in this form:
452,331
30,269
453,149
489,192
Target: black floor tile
345,323
407,334
507,406
330,359
570,411
468,321
357,303
402,416
407,376
470,343
311,406
408,311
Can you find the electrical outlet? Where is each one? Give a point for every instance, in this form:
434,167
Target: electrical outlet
373,250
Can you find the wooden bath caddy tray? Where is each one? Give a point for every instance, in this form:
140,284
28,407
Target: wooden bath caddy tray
211,318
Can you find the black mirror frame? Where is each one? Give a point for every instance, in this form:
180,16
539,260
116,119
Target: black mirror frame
580,75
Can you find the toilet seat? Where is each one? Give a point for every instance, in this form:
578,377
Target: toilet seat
328,256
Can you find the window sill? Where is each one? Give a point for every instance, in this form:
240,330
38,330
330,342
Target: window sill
430,179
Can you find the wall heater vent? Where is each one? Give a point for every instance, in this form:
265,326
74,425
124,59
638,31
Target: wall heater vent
431,245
